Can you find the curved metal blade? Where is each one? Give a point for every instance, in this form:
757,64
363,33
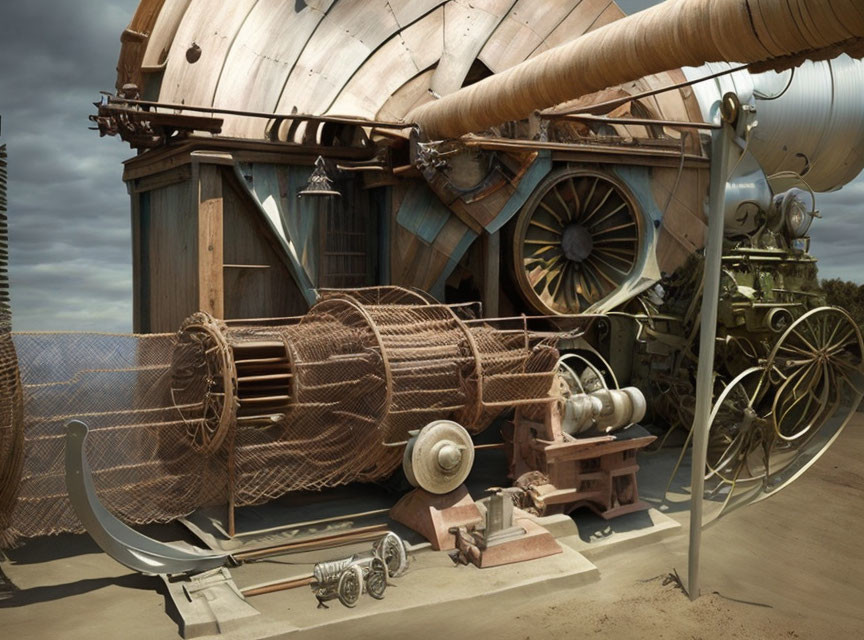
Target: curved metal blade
124,544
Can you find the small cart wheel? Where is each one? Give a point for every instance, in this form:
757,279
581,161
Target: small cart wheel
350,586
391,549
376,581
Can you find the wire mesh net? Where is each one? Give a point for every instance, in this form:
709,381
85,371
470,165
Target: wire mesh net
120,385
11,399
246,413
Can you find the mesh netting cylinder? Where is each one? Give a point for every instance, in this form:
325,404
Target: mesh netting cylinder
247,413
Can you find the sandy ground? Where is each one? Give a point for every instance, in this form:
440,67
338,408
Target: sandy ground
790,567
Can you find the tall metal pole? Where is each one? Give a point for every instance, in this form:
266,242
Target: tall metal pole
721,140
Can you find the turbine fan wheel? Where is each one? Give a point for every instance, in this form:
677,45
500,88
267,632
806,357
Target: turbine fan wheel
576,241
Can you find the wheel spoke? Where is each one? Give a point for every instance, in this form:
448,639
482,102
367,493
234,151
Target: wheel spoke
600,206
561,202
591,194
615,241
628,262
616,228
602,273
609,215
551,212
560,280
597,257
577,210
534,223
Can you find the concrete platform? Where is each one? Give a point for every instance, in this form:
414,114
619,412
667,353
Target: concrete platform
790,567
60,580
431,586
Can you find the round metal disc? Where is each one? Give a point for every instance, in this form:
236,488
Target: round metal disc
350,586
376,581
439,458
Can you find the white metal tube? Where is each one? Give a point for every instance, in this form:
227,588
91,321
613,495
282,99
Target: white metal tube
722,139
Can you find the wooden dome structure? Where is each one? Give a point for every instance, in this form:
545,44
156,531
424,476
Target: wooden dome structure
219,226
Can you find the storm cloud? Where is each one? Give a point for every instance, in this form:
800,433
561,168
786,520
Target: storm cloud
68,208
70,240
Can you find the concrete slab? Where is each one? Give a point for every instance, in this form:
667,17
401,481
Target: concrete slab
432,584
596,537
798,556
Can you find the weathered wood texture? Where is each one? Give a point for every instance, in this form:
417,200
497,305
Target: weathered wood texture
210,241
199,244
684,222
376,58
168,239
254,292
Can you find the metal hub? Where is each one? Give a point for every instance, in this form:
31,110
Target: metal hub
439,458
449,456
576,242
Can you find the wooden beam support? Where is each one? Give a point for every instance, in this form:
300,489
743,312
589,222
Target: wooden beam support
139,323
491,273
211,284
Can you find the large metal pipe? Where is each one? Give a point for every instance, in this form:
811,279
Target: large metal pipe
810,118
673,34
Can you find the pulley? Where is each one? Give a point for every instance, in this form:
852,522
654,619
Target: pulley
439,457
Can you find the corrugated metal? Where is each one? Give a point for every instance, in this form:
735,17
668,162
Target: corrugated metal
810,119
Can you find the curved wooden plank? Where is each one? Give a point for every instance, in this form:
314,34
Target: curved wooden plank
163,34
467,27
372,58
523,30
145,16
409,11
261,59
214,31
407,97
400,59
587,16
345,38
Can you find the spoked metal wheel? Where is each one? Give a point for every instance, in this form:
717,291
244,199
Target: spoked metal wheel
576,241
350,586
771,423
376,580
818,364
584,376
739,430
391,549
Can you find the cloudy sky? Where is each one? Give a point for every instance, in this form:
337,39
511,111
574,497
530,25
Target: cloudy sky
69,211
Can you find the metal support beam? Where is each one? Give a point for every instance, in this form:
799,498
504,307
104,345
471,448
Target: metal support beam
721,141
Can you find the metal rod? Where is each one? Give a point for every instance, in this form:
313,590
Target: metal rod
494,445
611,104
355,535
636,121
348,517
112,99
722,139
282,585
